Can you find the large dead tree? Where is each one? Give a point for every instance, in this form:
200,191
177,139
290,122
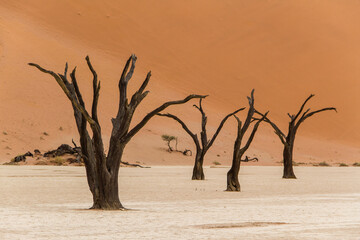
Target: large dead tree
289,139
233,174
203,144
102,170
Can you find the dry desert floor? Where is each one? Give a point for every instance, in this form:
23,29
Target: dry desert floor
48,202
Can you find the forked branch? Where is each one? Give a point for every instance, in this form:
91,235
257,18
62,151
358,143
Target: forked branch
308,114
67,92
252,135
277,130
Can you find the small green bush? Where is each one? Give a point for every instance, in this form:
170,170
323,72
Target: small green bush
343,165
216,163
167,138
356,164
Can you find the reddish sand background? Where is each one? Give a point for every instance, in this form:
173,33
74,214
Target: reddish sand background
284,49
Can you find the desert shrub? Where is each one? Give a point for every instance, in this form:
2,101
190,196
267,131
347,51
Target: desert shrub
41,162
58,161
216,163
356,164
324,164
343,165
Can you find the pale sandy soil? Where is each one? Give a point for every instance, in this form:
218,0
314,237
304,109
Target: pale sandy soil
42,202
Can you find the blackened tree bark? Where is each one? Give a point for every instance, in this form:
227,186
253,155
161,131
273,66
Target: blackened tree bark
102,171
202,145
233,174
289,139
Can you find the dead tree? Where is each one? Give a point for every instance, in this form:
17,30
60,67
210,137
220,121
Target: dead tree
202,145
102,170
289,139
233,174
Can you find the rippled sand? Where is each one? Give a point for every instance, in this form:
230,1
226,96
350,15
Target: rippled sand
46,202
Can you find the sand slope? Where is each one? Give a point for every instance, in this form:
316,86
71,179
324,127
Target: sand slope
284,49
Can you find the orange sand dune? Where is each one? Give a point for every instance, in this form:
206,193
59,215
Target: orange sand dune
284,49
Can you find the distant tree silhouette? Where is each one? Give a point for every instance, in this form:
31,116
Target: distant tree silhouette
203,144
233,174
289,139
102,170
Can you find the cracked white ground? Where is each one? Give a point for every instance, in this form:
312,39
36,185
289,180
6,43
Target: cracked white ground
47,202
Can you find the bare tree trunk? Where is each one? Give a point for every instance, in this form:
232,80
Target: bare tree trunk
106,197
198,171
107,194
288,161
233,176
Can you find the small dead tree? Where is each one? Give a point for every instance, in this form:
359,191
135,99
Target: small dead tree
202,145
233,174
102,170
289,139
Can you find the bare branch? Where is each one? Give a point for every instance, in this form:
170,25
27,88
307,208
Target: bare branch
238,136
66,69
251,98
250,114
96,91
247,159
183,125
221,125
307,115
200,106
67,92
142,123
302,108
132,68
251,137
139,95
145,83
133,165
124,79
278,132
203,133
